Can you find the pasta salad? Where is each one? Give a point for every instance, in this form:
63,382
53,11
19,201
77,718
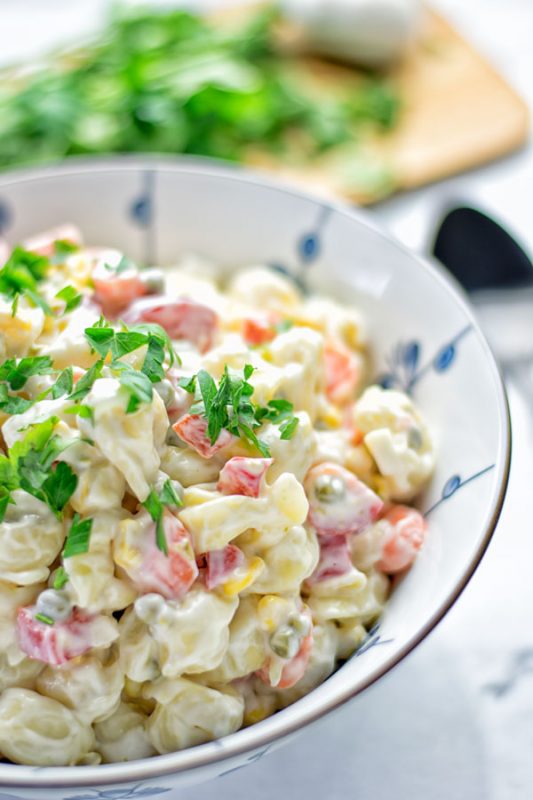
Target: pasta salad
202,501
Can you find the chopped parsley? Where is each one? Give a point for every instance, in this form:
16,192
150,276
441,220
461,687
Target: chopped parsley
70,297
62,249
78,537
60,578
32,465
85,383
44,618
17,373
107,342
123,265
22,272
81,410
155,504
230,406
12,404
63,385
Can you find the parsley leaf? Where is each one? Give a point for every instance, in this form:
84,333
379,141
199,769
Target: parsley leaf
70,297
31,461
60,578
100,339
83,411
169,496
123,265
126,342
189,384
137,383
22,272
152,329
44,618
12,404
288,428
230,406
8,482
85,383
62,249
155,504
63,385
153,362
16,374
156,509
60,486
78,537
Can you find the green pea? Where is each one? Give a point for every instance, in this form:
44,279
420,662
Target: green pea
329,489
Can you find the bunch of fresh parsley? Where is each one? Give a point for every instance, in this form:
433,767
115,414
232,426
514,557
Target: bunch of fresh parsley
171,81
230,406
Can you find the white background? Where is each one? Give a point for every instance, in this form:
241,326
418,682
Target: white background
455,720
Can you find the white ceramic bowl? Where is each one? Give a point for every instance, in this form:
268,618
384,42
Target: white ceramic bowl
424,338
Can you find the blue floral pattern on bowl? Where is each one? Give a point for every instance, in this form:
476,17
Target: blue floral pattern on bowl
404,369
121,793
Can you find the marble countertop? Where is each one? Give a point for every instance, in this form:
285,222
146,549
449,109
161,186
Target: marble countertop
454,720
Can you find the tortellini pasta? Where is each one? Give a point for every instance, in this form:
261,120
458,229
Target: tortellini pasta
31,538
397,438
19,332
92,581
38,730
188,714
88,686
213,523
198,511
122,736
131,442
185,644
287,563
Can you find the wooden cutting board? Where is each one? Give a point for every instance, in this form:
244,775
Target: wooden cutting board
457,113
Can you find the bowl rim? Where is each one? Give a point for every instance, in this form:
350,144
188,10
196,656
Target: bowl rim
231,747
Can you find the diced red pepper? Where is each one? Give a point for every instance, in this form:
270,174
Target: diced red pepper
257,331
53,644
114,289
242,475
192,428
343,372
181,319
334,559
169,575
221,563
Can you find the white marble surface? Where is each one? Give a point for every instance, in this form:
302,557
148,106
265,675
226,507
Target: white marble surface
455,720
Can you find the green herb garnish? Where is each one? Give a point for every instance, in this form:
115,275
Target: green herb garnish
16,373
85,383
63,385
172,81
60,578
44,618
155,504
70,297
78,537
31,465
230,406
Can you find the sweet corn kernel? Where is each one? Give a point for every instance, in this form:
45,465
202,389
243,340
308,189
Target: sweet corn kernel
273,610
241,582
